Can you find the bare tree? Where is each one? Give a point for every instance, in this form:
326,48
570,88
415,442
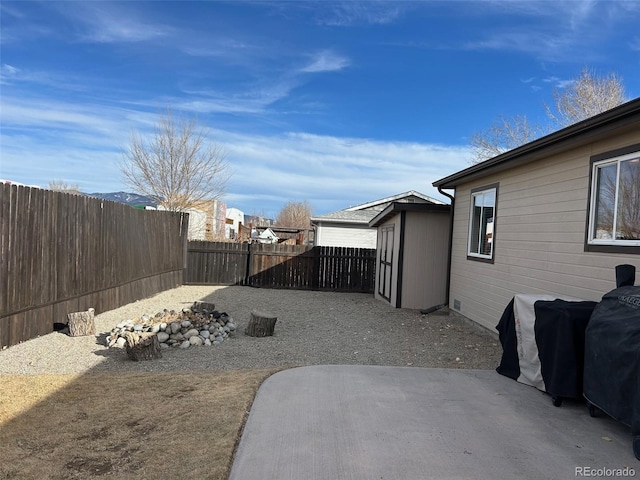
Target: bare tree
586,96
63,186
504,135
177,165
295,215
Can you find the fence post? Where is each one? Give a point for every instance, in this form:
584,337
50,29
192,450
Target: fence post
184,231
249,264
315,274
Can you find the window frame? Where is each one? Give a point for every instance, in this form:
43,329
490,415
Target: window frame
478,257
592,244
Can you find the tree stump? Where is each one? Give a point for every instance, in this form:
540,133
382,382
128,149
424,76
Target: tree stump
261,324
143,346
81,323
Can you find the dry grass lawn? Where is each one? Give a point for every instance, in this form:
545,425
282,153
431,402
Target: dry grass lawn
125,425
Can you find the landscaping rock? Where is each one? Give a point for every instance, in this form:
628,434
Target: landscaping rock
195,326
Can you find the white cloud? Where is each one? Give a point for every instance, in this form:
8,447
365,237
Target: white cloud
334,173
558,31
558,82
326,61
9,69
8,73
351,13
42,140
107,23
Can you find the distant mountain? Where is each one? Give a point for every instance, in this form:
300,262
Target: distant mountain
132,199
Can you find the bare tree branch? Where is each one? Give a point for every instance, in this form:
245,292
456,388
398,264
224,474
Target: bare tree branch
504,135
588,95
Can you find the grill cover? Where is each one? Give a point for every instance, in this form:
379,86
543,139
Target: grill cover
543,342
612,357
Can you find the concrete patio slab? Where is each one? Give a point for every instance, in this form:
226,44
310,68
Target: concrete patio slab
371,422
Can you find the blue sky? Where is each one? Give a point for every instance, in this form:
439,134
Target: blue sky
337,103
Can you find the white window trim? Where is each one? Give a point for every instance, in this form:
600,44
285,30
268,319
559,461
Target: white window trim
594,197
475,193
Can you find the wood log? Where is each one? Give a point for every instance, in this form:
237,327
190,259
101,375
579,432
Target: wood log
261,324
81,323
143,346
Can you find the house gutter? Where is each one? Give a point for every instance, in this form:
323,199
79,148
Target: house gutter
449,253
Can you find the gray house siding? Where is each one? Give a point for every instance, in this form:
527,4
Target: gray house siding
539,235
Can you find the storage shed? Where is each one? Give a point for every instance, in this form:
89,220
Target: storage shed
351,227
412,254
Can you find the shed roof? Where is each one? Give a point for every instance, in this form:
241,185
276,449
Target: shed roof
626,115
396,207
382,202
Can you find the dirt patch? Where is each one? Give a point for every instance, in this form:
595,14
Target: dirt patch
128,425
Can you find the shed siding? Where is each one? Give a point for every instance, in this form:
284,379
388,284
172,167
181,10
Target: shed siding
539,236
424,279
341,235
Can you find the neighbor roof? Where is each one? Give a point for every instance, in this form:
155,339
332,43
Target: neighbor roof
348,216
363,213
625,115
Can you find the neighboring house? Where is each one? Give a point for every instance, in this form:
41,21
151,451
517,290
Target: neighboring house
207,220
554,216
350,227
411,261
264,236
234,219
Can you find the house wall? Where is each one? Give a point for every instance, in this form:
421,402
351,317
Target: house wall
426,245
197,224
395,222
234,218
343,235
539,236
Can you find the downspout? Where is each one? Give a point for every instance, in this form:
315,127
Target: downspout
449,253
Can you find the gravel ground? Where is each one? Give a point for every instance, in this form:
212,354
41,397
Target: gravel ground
313,328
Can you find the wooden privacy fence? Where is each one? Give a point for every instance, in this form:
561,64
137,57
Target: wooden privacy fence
281,266
63,253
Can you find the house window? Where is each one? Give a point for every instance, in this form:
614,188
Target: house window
482,223
614,211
